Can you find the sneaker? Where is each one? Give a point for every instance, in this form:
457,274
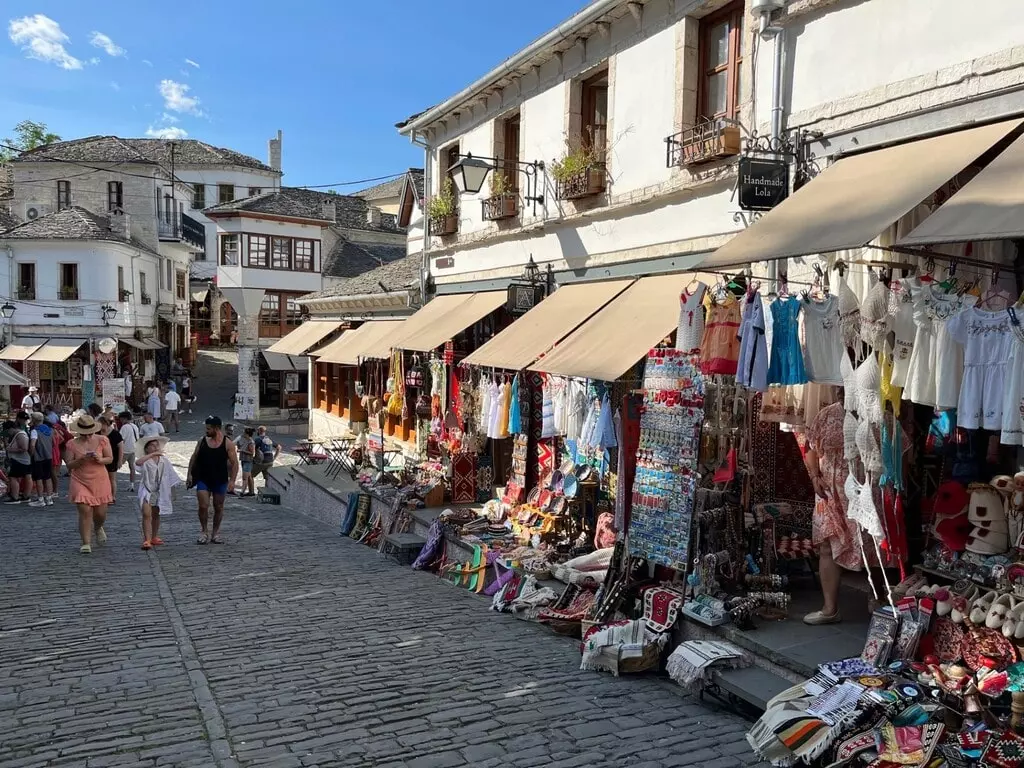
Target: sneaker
37,503
101,536
49,501
85,549
14,501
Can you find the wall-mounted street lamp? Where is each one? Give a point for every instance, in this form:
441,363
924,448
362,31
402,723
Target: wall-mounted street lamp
7,310
109,313
469,173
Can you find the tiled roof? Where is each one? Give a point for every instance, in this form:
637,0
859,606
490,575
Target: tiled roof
349,212
397,275
112,149
350,259
73,223
380,191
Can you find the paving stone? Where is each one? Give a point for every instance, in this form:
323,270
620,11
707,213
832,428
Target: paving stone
291,646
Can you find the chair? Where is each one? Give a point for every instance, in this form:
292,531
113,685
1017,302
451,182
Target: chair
339,450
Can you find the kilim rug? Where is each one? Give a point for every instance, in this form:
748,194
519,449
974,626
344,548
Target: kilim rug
779,473
464,478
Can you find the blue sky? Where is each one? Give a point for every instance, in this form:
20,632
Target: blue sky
334,75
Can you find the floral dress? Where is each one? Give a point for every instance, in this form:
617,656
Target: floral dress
830,523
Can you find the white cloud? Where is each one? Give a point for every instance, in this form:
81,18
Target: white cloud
167,132
176,98
167,118
42,38
99,40
147,62
115,85
192,63
94,60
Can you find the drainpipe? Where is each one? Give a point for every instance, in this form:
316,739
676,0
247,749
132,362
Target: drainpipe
776,33
427,163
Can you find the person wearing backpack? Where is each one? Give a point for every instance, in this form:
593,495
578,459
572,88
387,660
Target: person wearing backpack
266,453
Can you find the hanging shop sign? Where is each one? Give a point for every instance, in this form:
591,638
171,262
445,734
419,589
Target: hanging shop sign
763,183
522,297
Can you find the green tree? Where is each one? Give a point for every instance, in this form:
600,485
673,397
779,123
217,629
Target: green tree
28,135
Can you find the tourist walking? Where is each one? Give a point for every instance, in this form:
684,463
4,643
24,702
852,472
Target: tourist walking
150,426
153,400
108,428
87,457
214,462
246,445
60,437
267,452
158,479
19,469
172,402
31,402
130,435
40,448
186,391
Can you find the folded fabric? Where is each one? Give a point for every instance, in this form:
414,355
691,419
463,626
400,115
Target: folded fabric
605,647
691,661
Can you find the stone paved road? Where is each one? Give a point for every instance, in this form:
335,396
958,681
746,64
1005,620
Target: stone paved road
289,647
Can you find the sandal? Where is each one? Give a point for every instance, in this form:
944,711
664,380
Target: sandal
203,539
156,541
147,545
216,540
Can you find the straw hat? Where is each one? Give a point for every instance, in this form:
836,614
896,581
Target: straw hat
84,425
145,441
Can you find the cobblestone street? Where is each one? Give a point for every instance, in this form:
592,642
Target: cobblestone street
288,646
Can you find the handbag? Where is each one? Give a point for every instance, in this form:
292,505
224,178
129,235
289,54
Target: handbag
414,376
423,407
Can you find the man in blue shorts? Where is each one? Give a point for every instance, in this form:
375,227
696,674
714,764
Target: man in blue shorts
214,462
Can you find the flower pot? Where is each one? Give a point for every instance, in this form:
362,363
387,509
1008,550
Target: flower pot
500,207
589,181
444,225
707,146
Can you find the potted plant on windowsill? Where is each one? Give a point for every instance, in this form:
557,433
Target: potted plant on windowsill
26,292
145,299
443,211
710,140
503,202
69,292
579,172
125,294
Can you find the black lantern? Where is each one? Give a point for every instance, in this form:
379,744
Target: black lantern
469,173
109,313
7,310
531,272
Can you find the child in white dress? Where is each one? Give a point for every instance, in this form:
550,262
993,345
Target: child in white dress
158,478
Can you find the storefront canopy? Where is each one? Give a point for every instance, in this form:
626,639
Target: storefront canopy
10,377
353,345
276,361
131,341
56,350
987,208
198,291
621,333
305,337
19,350
851,202
545,325
439,321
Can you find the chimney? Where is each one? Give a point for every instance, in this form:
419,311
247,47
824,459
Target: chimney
328,210
274,152
120,225
373,216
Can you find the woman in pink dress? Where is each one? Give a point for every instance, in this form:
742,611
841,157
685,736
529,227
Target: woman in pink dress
87,457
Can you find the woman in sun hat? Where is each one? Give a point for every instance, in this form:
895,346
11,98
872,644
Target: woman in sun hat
158,480
87,457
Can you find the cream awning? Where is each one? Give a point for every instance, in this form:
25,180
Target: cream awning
19,350
988,207
305,337
851,202
56,350
620,334
440,320
131,341
150,343
10,377
277,361
351,347
545,325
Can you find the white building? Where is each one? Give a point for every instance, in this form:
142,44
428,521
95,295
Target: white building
652,101
275,247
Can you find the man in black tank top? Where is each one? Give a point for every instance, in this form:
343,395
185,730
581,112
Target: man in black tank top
213,463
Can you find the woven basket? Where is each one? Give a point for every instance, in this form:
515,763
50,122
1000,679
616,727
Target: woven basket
651,659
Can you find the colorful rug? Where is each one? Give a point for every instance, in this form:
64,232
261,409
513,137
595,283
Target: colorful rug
464,478
661,608
778,471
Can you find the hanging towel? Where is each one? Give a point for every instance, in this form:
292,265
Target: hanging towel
604,435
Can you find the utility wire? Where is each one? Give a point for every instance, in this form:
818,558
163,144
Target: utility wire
187,183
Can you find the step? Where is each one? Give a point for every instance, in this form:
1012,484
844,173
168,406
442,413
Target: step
754,685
